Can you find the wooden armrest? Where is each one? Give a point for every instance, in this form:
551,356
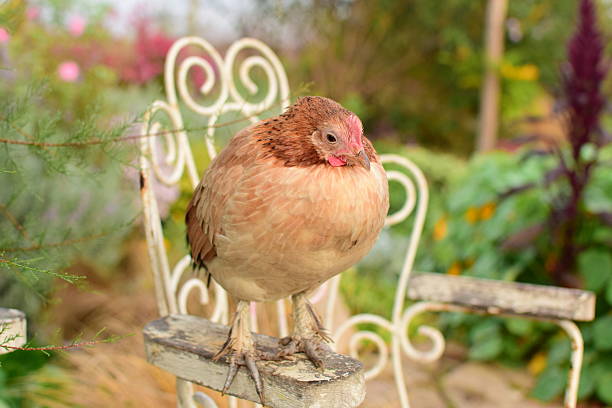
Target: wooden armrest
504,297
184,345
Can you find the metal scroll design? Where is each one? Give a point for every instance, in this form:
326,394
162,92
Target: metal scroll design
166,155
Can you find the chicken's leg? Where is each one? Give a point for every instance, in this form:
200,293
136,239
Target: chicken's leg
240,349
308,336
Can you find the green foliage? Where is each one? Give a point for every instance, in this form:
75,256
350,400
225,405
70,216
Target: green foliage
32,380
496,235
67,193
14,367
595,266
604,391
54,197
602,333
550,384
486,340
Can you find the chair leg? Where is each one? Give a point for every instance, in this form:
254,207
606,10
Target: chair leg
184,394
573,380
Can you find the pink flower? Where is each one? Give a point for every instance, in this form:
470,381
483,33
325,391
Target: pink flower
68,71
76,25
32,13
4,35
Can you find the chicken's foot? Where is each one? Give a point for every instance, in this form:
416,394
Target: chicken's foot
240,350
308,336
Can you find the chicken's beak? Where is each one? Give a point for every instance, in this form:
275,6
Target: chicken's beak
363,159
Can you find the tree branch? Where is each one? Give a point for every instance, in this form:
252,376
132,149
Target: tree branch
14,221
55,244
31,142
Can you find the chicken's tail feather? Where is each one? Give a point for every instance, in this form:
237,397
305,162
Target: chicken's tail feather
202,272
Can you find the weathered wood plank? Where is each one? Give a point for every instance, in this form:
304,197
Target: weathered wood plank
504,297
184,345
12,329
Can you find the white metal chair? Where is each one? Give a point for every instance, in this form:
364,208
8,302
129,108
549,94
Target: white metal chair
439,292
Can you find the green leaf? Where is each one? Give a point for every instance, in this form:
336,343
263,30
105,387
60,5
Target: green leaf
609,292
487,349
602,364
515,350
588,152
487,341
602,333
595,266
550,384
587,383
604,388
559,352
519,327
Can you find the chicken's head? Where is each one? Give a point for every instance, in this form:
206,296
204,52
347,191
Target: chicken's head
339,140
313,131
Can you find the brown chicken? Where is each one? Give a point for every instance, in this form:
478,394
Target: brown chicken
289,203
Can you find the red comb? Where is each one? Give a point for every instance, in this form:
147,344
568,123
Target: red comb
355,129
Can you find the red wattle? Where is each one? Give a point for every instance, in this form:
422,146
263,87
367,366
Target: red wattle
336,161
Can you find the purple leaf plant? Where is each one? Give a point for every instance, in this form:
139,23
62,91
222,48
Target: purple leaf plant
583,77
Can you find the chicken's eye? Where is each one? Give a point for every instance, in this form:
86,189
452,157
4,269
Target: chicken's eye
331,138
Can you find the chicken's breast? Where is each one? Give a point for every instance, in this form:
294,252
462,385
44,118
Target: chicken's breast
266,231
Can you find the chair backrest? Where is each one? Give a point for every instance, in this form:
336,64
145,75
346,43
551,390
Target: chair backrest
168,163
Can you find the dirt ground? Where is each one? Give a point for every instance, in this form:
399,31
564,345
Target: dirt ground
117,374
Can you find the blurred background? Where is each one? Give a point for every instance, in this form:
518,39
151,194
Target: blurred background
510,122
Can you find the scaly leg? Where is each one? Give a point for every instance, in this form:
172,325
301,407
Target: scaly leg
308,336
240,349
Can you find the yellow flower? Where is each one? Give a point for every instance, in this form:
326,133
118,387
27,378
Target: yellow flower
527,72
487,211
471,215
440,229
455,269
537,363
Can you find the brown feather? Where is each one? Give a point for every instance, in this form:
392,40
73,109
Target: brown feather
286,137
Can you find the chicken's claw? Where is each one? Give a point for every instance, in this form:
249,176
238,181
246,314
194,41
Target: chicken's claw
309,336
240,351
250,363
237,359
313,347
233,369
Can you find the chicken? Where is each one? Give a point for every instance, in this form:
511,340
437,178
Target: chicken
288,204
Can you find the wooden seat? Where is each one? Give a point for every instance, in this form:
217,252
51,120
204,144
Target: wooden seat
498,297
184,345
